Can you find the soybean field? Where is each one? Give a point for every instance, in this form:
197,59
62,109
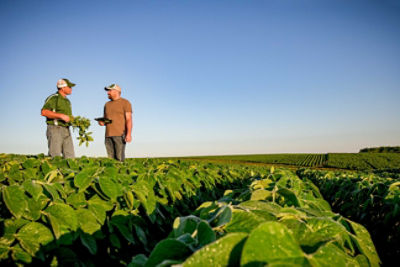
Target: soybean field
165,212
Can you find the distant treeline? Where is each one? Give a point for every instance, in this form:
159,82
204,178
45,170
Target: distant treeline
381,149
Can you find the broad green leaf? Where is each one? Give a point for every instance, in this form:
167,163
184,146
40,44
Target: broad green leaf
33,188
89,242
243,221
141,235
33,212
225,251
63,219
260,194
110,188
331,255
270,241
289,196
77,200
4,249
87,221
183,225
144,192
84,178
98,211
205,234
122,221
223,216
265,215
362,260
15,200
321,230
107,205
32,235
138,261
19,255
364,243
168,249
11,226
115,241
259,205
52,190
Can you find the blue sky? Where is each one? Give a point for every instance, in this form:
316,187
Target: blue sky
207,77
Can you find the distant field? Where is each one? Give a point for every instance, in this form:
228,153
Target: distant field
351,161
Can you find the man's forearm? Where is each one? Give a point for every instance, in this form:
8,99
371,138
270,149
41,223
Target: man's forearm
54,115
129,127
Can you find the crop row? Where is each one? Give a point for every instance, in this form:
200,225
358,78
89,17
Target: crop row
371,200
98,211
56,211
278,220
351,161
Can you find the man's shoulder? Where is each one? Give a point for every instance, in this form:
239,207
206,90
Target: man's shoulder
126,101
51,98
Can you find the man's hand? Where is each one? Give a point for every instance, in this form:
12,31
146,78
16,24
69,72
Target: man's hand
128,138
65,118
101,123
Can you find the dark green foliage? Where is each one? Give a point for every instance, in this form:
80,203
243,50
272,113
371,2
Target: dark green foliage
381,149
371,200
272,231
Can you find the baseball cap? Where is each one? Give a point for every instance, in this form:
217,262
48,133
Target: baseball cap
64,83
113,87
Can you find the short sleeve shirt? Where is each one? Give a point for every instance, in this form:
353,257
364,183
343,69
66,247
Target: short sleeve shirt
57,103
115,111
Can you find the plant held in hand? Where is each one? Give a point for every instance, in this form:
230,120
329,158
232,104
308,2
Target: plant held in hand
83,125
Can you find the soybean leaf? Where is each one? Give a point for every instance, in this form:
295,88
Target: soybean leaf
32,235
15,200
87,221
84,178
33,188
89,242
364,243
331,255
225,251
205,234
63,219
18,254
260,194
110,188
223,216
168,249
243,221
183,225
270,241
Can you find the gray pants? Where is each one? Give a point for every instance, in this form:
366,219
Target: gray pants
115,146
60,141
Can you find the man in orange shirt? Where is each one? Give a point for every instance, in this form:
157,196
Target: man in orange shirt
119,131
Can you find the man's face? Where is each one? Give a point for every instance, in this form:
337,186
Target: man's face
67,90
112,94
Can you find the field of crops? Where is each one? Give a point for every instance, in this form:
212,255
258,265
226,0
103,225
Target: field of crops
370,199
157,212
351,161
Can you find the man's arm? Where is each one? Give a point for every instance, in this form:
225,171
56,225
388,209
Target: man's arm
101,123
54,115
128,125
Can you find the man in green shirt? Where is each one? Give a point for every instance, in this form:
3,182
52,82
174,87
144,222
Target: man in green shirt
58,112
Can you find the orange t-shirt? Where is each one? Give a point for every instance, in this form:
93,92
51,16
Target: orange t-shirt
115,110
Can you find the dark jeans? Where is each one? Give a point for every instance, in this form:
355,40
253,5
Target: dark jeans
115,146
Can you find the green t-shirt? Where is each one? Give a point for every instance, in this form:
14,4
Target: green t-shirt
57,103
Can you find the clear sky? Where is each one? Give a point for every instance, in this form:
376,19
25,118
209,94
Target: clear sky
207,77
